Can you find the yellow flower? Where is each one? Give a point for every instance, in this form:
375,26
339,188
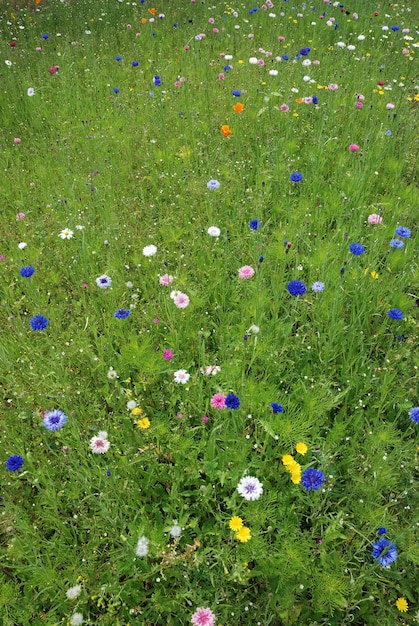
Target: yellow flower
402,605
294,467
296,477
143,423
301,448
243,534
236,523
136,411
287,459
374,274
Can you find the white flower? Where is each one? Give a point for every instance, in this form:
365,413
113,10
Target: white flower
9,63
99,444
181,376
22,245
351,48
273,72
361,37
306,63
79,227
31,91
209,370
131,404
228,57
129,284
254,329
66,233
73,592
341,44
250,488
76,619
253,61
174,294
142,546
104,281
214,231
306,79
175,530
149,250
112,373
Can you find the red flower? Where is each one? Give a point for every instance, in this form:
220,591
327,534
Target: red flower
12,44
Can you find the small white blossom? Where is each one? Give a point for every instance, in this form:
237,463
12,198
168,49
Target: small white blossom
142,546
73,592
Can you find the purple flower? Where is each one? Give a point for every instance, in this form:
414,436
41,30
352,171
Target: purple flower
54,420
317,286
296,288
250,488
312,479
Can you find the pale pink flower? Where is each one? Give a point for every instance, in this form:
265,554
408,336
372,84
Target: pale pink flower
246,272
20,216
284,108
218,401
375,219
308,100
316,62
261,62
390,106
333,87
181,300
203,617
181,376
360,96
165,280
209,370
221,76
100,443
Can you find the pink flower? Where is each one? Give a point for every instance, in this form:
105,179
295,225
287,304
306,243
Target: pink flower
38,49
186,47
390,106
218,401
168,355
181,300
100,444
54,69
204,419
285,108
261,62
333,87
355,16
156,320
316,62
165,280
177,83
354,147
221,76
359,104
246,271
211,20
203,617
405,51
280,38
360,97
20,216
215,30
375,219
17,140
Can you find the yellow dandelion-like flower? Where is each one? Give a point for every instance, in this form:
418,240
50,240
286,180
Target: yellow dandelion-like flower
236,523
136,411
287,459
243,534
294,467
301,448
374,274
296,477
402,605
143,423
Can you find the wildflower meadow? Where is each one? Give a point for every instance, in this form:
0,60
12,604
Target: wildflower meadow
209,312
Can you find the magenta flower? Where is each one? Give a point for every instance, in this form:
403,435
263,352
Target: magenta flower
353,147
168,355
246,272
218,401
203,617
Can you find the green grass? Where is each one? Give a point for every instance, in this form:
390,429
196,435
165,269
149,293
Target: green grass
129,169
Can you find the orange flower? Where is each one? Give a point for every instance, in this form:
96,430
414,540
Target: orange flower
225,129
143,20
152,11
38,1
299,100
238,107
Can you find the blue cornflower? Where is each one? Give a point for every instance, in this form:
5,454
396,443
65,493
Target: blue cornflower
317,286
296,288
388,133
45,36
54,420
157,81
395,314
14,463
134,64
384,552
122,314
261,258
254,224
315,100
382,530
396,243
304,51
236,93
357,249
414,414
118,58
227,68
39,322
213,184
108,472
403,231
296,177
312,479
395,28
232,401
27,271
277,408
284,57
298,57
116,90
